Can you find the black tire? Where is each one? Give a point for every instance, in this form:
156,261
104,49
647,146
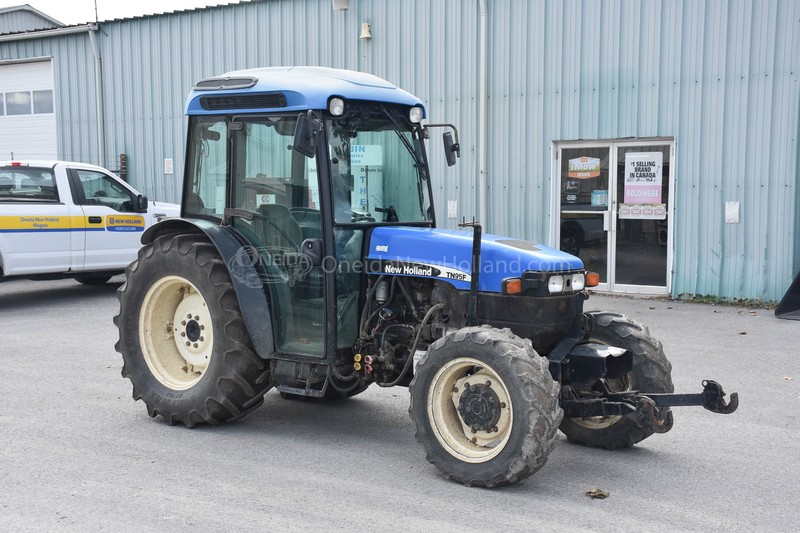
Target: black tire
651,373
171,273
511,374
93,279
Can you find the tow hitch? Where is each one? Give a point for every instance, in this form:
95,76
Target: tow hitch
646,408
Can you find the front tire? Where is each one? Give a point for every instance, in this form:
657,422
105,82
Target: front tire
485,407
651,373
182,337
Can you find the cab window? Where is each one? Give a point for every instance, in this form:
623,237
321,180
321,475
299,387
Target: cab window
96,188
27,184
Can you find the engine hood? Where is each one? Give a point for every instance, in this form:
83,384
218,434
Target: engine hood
447,255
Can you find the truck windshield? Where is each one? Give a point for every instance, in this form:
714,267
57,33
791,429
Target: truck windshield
377,167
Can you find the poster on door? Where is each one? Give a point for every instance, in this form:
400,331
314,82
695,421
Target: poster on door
643,186
366,164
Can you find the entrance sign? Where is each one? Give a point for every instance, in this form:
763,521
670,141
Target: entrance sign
643,186
584,167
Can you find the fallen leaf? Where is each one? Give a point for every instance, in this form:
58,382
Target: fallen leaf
598,494
753,313
787,378
652,307
717,311
742,333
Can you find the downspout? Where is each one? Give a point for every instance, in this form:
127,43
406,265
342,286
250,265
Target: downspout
98,91
482,114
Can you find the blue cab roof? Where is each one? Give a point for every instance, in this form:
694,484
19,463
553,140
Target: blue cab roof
303,88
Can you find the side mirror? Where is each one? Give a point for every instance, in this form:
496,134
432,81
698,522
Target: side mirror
306,133
312,249
451,148
140,204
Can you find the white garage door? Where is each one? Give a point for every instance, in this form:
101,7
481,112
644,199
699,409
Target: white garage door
27,111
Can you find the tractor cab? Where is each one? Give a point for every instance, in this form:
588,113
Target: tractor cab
303,178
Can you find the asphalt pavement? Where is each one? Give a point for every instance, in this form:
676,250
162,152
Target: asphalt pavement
78,454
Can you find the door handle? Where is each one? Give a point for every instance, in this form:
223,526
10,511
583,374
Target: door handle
95,220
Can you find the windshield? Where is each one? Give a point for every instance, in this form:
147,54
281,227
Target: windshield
377,167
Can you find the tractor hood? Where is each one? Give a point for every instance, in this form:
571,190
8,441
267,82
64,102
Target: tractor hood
447,255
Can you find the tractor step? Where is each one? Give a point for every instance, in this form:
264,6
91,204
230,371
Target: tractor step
297,391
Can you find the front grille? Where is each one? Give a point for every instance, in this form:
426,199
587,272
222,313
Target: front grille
247,101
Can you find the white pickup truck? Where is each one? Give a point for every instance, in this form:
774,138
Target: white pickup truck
64,219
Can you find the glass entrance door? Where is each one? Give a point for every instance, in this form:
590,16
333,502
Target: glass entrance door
641,233
614,205
584,217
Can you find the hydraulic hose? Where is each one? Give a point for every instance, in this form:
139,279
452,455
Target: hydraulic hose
413,349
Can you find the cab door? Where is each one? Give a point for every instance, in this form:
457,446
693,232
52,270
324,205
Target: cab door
39,232
113,229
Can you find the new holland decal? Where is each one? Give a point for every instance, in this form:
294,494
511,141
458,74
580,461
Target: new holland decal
400,268
124,223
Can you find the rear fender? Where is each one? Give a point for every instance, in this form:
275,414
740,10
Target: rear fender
245,276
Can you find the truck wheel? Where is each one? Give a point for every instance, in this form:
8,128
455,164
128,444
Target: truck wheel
485,407
651,373
182,337
92,279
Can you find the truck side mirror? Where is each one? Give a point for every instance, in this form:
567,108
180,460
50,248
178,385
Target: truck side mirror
451,148
306,133
312,249
140,204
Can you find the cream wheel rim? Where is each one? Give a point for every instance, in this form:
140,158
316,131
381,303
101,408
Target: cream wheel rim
175,332
470,410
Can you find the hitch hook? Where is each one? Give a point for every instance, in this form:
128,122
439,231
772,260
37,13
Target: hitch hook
649,416
714,398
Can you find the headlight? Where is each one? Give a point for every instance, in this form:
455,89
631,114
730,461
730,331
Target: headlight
578,282
415,115
336,106
555,284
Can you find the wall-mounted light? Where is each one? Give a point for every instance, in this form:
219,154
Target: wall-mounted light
341,5
366,31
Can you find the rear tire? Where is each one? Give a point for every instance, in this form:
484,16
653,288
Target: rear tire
651,373
485,407
183,341
92,279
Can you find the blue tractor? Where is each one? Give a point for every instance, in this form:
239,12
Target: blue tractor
307,259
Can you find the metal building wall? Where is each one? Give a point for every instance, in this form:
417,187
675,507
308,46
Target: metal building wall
721,77
21,20
73,93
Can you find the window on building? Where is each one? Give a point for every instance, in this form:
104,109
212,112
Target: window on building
42,102
2,104
18,103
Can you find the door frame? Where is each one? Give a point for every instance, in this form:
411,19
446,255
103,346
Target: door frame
613,145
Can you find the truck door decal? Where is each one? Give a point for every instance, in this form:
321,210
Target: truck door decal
43,223
124,223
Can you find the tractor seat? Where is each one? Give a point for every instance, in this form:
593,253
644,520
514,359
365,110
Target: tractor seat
278,215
